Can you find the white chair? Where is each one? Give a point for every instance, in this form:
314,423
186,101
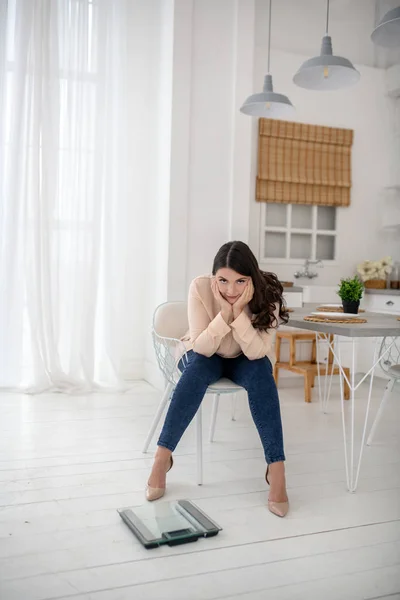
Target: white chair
390,363
170,323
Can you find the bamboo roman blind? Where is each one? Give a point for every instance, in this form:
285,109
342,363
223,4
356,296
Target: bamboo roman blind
303,164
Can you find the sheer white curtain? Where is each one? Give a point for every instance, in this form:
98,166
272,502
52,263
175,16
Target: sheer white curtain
72,220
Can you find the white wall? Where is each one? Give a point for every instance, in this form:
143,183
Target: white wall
211,132
363,108
219,139
199,204
150,59
366,109
219,58
298,25
155,260
222,142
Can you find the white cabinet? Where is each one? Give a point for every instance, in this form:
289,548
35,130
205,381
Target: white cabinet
365,347
321,294
379,303
382,303
293,299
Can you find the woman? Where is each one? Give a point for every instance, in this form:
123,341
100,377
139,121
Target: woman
231,314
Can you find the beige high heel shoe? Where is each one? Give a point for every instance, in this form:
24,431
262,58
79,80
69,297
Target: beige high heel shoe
280,509
154,493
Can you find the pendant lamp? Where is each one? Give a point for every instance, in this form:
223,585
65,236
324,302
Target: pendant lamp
387,32
327,71
268,104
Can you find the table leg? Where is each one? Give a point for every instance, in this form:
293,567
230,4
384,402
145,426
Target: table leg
331,362
352,464
321,401
324,394
341,378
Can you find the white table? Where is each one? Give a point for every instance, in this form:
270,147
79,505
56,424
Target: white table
377,326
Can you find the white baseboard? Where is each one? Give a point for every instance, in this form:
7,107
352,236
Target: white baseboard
147,370
132,370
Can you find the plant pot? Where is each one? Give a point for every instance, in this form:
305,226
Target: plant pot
351,306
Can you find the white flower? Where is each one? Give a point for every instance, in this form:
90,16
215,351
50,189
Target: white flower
387,261
375,269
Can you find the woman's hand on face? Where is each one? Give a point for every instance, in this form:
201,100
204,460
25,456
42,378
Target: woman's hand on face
244,299
225,307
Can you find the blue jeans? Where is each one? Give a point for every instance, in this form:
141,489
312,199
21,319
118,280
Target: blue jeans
253,375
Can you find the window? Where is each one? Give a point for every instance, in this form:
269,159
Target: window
296,232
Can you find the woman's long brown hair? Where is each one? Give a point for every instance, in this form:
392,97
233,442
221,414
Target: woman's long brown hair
268,290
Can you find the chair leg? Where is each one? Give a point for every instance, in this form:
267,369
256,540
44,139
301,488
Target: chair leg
233,406
276,374
386,395
278,347
307,387
330,353
199,447
314,351
164,401
213,417
346,385
292,351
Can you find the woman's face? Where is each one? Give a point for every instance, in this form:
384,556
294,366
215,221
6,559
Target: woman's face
231,284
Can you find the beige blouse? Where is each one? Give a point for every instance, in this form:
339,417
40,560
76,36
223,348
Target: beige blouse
209,333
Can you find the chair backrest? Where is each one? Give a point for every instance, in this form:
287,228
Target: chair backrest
389,353
171,320
170,323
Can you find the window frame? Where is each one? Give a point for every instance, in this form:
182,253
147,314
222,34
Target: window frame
288,230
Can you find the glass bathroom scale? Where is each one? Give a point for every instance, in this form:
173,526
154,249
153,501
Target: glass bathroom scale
171,523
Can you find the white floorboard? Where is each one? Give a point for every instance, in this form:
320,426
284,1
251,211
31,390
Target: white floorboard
68,462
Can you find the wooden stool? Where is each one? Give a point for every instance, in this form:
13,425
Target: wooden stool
309,369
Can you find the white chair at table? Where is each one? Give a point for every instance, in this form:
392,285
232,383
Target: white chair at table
390,364
170,323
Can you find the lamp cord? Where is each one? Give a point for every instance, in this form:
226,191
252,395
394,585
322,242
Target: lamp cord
269,34
327,17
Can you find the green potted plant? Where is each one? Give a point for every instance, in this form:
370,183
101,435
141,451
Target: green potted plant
351,291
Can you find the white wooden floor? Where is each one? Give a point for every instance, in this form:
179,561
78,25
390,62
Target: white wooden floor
67,463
